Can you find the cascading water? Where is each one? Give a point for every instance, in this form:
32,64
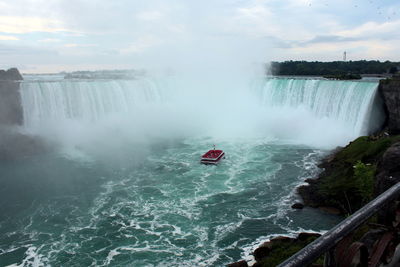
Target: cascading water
346,102
79,115
84,100
293,110
143,199
320,113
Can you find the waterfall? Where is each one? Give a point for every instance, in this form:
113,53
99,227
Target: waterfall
350,103
315,112
87,100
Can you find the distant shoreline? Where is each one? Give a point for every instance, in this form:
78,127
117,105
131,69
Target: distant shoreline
363,68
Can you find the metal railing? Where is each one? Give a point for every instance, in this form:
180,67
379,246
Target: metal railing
331,238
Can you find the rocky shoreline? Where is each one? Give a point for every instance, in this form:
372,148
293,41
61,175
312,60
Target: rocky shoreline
347,181
375,157
337,190
271,252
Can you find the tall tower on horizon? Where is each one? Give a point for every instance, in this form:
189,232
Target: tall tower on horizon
344,56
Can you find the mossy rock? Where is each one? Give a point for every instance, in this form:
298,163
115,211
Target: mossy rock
365,149
282,250
347,177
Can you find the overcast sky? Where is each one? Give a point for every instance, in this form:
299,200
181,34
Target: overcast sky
51,36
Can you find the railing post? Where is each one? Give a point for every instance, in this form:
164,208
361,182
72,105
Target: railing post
331,238
329,259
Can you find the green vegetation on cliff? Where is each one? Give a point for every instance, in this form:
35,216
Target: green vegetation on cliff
279,249
347,183
348,179
333,68
343,76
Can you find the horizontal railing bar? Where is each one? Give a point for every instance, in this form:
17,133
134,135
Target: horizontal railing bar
328,240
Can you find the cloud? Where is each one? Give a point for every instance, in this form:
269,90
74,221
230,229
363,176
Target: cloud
374,29
356,50
150,15
151,32
253,21
49,40
254,12
141,44
329,39
21,25
8,38
16,50
368,40
79,45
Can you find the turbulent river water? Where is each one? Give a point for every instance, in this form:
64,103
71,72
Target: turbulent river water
123,186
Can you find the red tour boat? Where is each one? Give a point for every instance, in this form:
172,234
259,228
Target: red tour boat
212,156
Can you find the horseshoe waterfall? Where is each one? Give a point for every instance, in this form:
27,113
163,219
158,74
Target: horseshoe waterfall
120,182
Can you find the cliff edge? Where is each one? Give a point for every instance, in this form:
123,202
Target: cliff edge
10,75
13,144
390,91
10,98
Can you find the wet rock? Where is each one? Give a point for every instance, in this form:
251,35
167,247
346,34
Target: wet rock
262,252
304,236
274,251
297,206
242,263
310,180
309,194
331,210
282,239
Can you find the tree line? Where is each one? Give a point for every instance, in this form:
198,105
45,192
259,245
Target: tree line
333,68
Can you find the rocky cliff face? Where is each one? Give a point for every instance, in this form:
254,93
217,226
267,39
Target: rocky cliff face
13,144
387,175
347,180
10,100
390,90
10,75
16,146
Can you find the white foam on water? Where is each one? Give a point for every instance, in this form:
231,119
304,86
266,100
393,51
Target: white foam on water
33,258
158,211
247,253
110,256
